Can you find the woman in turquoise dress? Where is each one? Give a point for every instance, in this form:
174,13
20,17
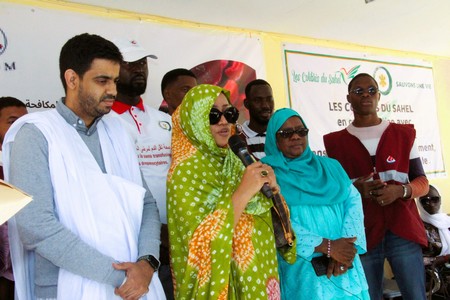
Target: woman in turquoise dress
326,215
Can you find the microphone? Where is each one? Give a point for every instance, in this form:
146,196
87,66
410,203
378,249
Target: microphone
240,149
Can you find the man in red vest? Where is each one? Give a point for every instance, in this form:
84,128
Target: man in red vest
383,161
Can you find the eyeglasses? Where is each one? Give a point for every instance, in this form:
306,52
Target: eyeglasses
231,114
359,91
429,200
288,133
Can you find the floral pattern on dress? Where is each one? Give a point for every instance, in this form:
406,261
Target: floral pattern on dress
211,258
224,293
243,250
273,289
199,246
181,147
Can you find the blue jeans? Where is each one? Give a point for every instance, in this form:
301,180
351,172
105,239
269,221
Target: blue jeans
406,261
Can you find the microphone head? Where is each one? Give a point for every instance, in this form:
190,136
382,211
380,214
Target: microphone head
236,143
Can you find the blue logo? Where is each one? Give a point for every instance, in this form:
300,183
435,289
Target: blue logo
3,42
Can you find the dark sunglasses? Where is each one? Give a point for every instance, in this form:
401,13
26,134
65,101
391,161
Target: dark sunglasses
231,114
428,200
288,133
359,91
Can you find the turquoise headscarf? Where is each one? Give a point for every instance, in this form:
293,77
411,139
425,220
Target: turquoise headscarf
308,179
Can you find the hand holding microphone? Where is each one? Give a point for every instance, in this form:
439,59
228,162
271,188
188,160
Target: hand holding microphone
256,174
257,177
264,177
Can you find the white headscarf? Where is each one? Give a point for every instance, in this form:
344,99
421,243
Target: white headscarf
441,221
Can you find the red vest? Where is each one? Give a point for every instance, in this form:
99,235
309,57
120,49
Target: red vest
392,166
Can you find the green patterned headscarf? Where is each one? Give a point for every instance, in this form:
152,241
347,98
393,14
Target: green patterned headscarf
192,138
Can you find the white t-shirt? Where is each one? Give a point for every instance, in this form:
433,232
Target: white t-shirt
151,130
370,137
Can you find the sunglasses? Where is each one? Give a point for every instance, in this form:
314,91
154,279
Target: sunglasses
288,133
428,200
231,114
359,91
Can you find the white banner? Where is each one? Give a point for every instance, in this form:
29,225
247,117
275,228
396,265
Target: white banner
317,88
31,39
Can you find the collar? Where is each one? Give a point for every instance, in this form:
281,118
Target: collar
74,120
249,132
120,107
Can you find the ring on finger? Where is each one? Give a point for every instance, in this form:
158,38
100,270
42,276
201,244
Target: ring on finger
342,268
264,173
382,202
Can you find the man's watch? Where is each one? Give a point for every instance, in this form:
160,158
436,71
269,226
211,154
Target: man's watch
152,261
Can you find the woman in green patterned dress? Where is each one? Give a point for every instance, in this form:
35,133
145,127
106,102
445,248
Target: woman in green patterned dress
220,227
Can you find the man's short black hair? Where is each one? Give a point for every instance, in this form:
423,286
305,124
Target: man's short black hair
251,84
79,52
358,76
172,76
10,101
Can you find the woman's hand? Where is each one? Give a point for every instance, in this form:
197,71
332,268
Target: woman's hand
343,250
335,268
342,253
254,177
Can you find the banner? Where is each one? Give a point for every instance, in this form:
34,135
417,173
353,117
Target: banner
317,81
31,39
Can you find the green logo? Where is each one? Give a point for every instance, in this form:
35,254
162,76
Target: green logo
384,80
348,75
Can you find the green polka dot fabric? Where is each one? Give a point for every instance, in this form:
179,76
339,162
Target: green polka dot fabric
211,259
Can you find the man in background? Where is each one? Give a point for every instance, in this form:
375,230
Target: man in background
259,102
383,161
174,86
10,110
151,130
92,230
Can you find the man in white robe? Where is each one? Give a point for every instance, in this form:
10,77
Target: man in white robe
92,230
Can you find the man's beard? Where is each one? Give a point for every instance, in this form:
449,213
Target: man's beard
131,90
90,105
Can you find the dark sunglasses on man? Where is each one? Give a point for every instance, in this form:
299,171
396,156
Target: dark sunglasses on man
359,91
231,114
